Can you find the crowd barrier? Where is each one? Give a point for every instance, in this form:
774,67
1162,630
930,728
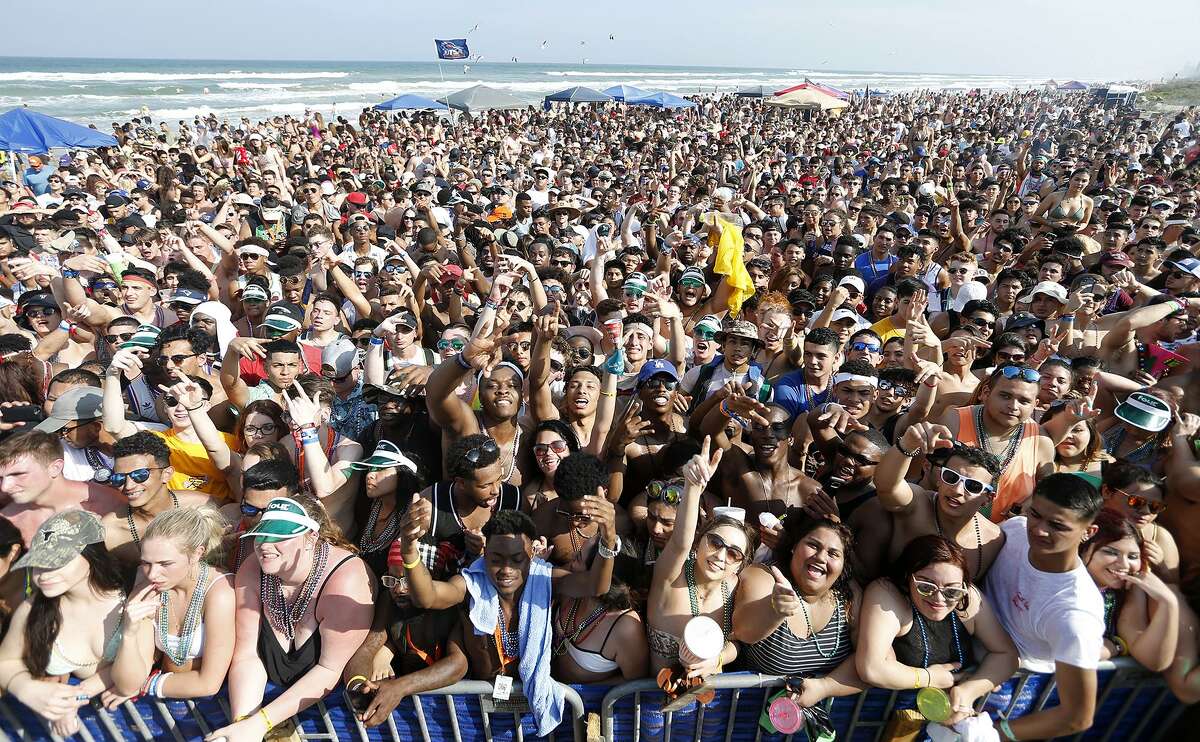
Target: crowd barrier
1133,704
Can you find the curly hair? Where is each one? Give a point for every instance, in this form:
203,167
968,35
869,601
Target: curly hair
458,466
797,524
579,475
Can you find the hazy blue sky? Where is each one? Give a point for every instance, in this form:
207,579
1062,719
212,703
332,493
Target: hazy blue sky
1079,38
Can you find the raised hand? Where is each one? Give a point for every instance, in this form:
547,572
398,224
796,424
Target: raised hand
701,468
125,362
416,520
301,408
784,600
926,437
249,348
187,392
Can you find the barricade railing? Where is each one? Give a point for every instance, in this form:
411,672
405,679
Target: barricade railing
1132,704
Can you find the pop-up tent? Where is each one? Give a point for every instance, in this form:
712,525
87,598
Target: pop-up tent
1073,85
482,98
625,92
23,130
578,94
807,96
661,100
755,91
410,102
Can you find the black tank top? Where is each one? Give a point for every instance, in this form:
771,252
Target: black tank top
285,666
444,547
910,648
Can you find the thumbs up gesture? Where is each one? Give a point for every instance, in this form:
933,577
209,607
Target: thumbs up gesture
784,600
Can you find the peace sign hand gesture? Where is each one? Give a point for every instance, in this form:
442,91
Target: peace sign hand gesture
702,466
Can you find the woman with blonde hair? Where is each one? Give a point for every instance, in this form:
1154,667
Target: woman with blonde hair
179,623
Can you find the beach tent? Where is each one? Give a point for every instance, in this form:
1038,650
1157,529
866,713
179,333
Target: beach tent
577,94
836,93
410,102
625,92
23,130
661,100
1073,85
482,98
807,96
755,91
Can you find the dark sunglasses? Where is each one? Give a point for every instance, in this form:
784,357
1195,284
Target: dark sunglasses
120,337
860,346
40,311
776,429
488,447
900,388
251,511
541,449
669,492
716,543
658,381
844,451
117,479
1026,374
1137,502
176,359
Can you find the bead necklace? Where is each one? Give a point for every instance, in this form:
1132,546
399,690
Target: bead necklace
925,637
366,542
191,618
507,638
270,592
102,473
812,635
690,574
512,462
937,519
1013,444
573,637
1110,605
108,640
133,526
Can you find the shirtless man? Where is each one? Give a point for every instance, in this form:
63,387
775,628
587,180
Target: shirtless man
965,483
570,532
31,478
1162,321
142,472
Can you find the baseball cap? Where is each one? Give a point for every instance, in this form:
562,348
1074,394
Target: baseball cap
854,281
187,296
1049,288
844,313
1144,411
636,283
243,199
338,358
80,403
405,318
358,198
655,367
693,274
145,336
253,250
1116,258
1187,265
60,539
254,291
283,519
739,328
1023,319
284,316
385,456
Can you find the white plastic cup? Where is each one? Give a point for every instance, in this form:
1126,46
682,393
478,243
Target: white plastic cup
703,640
730,511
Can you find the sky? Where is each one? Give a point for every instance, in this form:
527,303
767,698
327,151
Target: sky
1091,39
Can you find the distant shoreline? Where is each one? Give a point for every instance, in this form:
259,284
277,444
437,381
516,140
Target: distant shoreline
1180,93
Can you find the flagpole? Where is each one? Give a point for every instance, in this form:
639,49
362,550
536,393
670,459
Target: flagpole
440,73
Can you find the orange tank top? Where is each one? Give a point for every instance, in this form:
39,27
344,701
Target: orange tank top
1017,482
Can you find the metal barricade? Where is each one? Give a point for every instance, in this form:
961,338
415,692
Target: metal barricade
461,712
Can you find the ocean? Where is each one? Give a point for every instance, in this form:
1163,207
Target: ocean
100,91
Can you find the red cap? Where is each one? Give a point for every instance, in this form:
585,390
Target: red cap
394,557
358,198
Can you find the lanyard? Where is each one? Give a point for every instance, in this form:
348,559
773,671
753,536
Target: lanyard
426,657
499,642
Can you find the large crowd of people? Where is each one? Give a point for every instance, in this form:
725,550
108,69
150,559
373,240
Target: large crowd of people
898,398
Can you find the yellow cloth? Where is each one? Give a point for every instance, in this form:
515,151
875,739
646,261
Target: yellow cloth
730,261
194,470
886,329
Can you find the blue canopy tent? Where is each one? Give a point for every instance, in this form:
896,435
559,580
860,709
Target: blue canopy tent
410,102
577,94
624,92
1073,85
23,130
661,100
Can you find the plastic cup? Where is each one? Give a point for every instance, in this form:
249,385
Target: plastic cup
612,329
785,715
934,704
703,640
730,511
768,520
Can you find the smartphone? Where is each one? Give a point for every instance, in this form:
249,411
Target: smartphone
24,413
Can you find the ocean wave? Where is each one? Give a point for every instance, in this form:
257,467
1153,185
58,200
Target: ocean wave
30,76
252,85
707,74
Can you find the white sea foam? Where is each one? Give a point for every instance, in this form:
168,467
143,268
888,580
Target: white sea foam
29,76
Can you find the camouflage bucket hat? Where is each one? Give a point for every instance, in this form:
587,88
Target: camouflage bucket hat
62,538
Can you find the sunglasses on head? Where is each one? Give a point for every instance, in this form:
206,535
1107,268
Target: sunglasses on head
670,492
1025,374
487,447
117,479
972,486
929,589
718,544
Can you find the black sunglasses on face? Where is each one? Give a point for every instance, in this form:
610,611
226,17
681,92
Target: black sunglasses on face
117,479
121,337
844,451
177,359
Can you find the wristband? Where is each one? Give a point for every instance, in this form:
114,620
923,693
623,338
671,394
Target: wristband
267,719
193,409
376,340
462,362
1006,731
607,394
488,303
309,436
413,564
159,688
1067,318
68,273
607,553
350,682
916,677
64,325
910,454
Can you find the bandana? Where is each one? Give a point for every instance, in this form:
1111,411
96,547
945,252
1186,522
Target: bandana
839,378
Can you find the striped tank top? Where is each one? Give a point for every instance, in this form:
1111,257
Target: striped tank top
784,653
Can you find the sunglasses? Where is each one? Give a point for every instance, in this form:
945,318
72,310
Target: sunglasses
395,268
657,381
117,479
776,429
392,582
574,517
362,342
928,590
519,345
176,359
705,334
1025,374
981,322
1137,502
40,312
1179,274
455,344
250,511
558,447
844,451
120,337
488,447
958,271
972,486
718,544
518,306
869,347
1010,357
900,388
556,365
254,431
565,263
669,492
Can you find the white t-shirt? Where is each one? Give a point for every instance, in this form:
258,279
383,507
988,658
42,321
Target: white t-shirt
1051,616
76,466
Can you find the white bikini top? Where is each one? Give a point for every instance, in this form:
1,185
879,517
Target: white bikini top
174,642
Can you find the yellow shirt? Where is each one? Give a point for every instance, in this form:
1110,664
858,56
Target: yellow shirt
886,329
194,470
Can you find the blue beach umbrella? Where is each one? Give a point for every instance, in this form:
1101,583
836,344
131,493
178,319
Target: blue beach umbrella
661,100
23,130
625,92
410,102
